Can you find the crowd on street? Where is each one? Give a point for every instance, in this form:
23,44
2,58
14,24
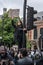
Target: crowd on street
21,56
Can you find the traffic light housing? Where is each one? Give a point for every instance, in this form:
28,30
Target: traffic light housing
30,18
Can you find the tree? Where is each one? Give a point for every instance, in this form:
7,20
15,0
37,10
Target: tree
8,30
28,45
0,29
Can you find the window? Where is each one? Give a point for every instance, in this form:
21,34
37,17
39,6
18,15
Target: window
35,33
41,32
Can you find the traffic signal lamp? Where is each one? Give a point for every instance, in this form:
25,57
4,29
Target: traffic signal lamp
30,18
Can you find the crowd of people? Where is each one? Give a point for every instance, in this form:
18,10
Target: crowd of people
19,56
15,57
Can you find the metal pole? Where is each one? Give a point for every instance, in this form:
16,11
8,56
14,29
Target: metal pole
24,21
24,13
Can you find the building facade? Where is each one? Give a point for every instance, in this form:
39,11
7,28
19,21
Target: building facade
36,35
13,13
39,15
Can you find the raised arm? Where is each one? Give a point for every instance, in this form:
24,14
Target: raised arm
13,24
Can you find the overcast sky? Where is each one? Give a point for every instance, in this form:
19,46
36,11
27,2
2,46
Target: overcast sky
18,4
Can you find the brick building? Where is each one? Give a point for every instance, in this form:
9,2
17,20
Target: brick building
36,35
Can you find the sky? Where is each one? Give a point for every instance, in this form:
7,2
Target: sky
18,4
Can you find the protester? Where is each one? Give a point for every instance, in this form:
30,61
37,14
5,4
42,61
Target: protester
4,55
25,59
19,33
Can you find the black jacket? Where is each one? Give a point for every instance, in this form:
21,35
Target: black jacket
25,61
19,35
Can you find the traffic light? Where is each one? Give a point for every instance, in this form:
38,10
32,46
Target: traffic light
30,18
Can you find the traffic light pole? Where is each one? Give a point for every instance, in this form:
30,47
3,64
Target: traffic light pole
24,13
24,22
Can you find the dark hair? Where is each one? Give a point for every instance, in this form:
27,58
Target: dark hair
35,47
23,52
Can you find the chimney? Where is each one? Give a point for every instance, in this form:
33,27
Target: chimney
4,10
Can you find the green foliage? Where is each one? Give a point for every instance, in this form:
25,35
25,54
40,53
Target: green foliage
16,19
28,44
7,30
8,36
0,27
